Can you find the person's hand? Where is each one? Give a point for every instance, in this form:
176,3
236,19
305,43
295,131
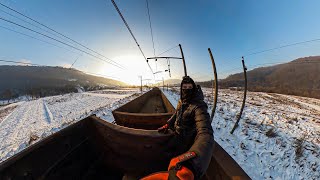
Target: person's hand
163,129
176,167
182,174
176,171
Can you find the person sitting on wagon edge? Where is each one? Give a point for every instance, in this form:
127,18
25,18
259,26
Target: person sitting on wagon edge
193,141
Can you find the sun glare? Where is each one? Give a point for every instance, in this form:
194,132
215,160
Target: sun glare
134,66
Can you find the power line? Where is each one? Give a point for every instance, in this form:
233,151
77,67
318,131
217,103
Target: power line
37,39
75,61
125,22
275,63
59,41
57,32
280,47
31,24
154,50
282,63
44,41
167,50
100,75
287,45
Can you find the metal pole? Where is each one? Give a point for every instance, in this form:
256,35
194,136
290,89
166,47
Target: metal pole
244,96
162,84
216,86
140,84
184,62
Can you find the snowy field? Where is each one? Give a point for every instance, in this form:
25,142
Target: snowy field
26,122
278,136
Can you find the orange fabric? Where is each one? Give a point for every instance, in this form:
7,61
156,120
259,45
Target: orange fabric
173,162
185,174
181,158
157,176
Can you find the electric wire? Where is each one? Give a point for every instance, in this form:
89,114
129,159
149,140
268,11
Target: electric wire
150,25
276,48
154,50
46,42
57,32
60,42
75,61
37,39
47,31
269,64
280,47
126,24
167,50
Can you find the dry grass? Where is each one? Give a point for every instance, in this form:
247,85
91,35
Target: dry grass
271,133
298,144
5,111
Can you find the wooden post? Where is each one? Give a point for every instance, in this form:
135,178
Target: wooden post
216,85
183,60
244,96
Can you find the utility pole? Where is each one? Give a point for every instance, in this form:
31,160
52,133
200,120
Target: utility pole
141,83
183,60
162,84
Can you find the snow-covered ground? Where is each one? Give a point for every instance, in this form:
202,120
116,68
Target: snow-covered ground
278,135
26,122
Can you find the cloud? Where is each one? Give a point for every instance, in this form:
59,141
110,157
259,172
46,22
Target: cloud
66,65
24,62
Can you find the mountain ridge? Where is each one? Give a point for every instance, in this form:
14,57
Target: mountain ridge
48,80
298,77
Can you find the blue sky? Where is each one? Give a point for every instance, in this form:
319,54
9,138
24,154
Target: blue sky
231,28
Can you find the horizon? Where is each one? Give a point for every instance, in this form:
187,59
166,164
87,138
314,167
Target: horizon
148,80
231,29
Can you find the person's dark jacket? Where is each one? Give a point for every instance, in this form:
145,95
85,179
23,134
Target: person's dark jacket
191,123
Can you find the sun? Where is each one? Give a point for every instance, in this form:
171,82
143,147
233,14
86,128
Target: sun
134,67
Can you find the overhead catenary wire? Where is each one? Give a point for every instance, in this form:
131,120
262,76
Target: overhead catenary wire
47,31
269,64
126,24
154,50
150,25
21,33
75,61
41,40
276,48
280,47
100,75
58,33
168,50
11,22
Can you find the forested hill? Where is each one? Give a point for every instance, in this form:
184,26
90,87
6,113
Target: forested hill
299,77
44,80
